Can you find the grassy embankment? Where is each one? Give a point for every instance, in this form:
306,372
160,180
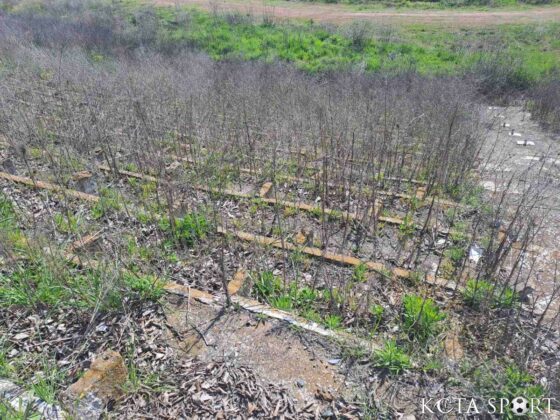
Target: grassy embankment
503,57
509,56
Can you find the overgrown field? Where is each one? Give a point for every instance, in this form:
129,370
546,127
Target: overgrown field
524,53
436,4
133,164
500,60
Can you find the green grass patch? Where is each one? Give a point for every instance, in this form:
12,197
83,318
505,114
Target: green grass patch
359,274
147,287
66,223
522,54
266,285
53,283
24,412
493,381
333,322
12,237
455,254
108,201
305,301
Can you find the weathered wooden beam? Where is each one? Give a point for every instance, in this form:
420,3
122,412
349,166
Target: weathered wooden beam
50,187
339,259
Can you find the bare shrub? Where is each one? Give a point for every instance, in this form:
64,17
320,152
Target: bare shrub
544,102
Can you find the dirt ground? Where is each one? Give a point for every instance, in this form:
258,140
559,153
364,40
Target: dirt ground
339,13
307,364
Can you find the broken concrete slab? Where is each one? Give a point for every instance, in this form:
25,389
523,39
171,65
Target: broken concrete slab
8,166
85,182
101,383
20,399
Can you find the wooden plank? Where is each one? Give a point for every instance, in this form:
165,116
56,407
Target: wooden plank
84,242
137,175
263,192
340,259
265,189
330,212
263,240
236,283
187,291
130,174
50,187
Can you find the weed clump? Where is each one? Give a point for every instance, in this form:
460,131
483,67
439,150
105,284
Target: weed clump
359,274
392,358
477,292
188,229
333,322
147,287
376,312
266,286
421,317
507,383
108,200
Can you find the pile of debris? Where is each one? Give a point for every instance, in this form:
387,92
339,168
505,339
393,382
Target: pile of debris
221,390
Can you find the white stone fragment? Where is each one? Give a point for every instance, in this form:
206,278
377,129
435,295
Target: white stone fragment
488,185
475,253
